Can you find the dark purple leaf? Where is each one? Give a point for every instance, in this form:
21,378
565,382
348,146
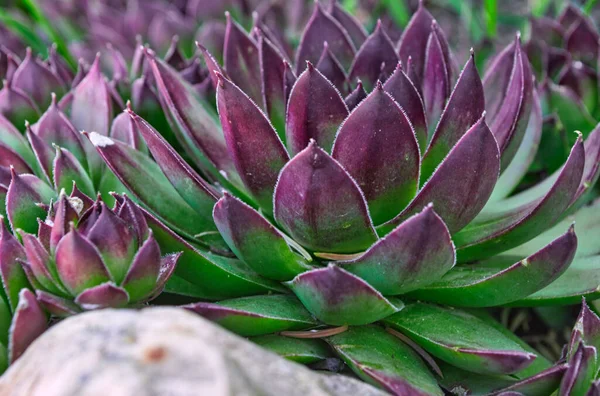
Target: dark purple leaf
29,322
323,27
356,96
413,42
465,106
13,277
199,194
338,297
462,183
407,96
315,111
252,143
319,204
57,306
331,68
241,60
375,51
376,144
416,253
78,263
37,80
436,78
106,295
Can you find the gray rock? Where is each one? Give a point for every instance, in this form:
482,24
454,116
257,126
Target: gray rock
159,352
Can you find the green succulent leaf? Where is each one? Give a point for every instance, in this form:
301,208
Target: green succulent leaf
490,284
257,315
304,351
207,275
460,339
382,359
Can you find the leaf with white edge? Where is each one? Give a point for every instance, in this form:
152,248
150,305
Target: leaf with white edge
415,254
499,231
462,184
337,297
253,144
315,111
376,145
460,339
257,315
205,275
490,285
145,180
321,218
381,359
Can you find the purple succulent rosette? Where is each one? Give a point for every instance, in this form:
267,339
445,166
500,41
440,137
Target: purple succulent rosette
353,198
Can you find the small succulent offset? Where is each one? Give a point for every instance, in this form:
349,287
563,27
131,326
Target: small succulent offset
368,221
88,256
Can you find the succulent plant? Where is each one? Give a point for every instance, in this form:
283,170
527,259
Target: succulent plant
22,319
88,256
325,221
564,53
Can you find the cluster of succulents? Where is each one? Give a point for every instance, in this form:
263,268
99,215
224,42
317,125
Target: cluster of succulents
354,204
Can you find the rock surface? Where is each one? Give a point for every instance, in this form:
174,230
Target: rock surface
159,351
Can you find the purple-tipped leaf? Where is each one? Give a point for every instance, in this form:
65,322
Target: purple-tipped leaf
22,197
16,105
272,69
337,297
331,68
256,241
79,263
241,60
64,214
376,145
316,215
542,383
199,194
116,242
510,122
29,322
92,93
356,96
252,143
581,372
125,130
11,272
462,183
415,254
142,275
323,27
66,170
37,80
195,128
413,42
381,359
315,111
54,127
146,181
500,231
461,339
106,295
492,285
375,51
57,306
258,315
465,106
436,78
407,96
